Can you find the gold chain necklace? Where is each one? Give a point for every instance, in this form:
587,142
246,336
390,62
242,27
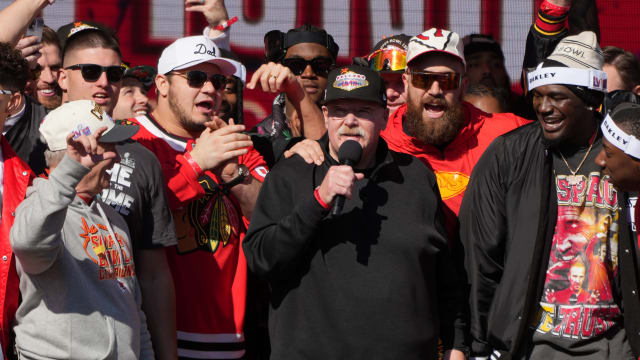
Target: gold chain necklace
573,178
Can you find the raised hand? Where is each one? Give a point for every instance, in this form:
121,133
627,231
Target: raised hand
84,149
213,10
277,78
30,48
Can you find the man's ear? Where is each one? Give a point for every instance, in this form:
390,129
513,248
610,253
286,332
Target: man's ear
162,85
63,79
325,112
405,80
14,102
636,90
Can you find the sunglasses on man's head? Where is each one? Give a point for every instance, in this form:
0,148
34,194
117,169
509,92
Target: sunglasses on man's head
446,81
320,65
197,78
92,72
388,59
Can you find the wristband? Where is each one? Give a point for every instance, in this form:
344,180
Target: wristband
551,19
552,9
194,165
324,205
226,24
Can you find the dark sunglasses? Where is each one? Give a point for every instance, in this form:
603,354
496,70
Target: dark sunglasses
197,78
320,65
92,72
446,81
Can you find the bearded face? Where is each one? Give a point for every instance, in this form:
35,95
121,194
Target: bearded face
436,131
434,111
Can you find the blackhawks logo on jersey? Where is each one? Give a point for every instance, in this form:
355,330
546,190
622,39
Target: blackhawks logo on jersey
208,222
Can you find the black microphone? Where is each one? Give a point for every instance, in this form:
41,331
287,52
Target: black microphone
349,154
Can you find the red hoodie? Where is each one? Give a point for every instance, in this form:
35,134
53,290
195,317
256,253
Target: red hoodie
454,164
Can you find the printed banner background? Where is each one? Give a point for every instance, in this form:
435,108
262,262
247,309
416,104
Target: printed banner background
146,26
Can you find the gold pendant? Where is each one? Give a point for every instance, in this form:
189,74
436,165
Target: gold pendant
574,179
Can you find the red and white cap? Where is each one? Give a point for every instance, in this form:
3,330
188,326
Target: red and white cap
435,39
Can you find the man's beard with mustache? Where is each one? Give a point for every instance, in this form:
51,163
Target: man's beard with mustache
50,102
436,132
184,119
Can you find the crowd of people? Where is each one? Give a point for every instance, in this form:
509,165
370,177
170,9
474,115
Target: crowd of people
409,205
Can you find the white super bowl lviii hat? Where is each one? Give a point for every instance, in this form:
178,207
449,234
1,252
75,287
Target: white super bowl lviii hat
435,39
190,51
81,117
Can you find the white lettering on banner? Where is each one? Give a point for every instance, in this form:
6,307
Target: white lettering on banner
517,17
464,16
336,16
277,15
166,20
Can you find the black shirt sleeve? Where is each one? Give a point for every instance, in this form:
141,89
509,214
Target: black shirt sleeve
283,224
483,232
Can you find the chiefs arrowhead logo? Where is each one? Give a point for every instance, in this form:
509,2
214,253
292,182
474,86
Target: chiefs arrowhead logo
451,184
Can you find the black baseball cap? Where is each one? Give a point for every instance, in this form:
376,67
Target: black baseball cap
357,83
474,43
144,73
65,32
400,41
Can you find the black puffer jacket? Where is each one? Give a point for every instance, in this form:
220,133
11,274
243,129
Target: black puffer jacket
507,221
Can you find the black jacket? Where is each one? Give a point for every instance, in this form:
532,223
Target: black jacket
376,282
507,221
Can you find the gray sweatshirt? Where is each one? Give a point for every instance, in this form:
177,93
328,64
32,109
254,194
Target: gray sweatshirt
80,295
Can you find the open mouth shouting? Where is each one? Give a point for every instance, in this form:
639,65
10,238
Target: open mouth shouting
435,108
205,106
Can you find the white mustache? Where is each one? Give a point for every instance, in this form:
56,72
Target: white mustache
352,131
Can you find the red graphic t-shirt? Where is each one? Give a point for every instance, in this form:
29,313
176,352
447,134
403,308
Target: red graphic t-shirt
577,306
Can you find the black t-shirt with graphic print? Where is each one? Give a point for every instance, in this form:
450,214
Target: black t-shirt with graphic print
137,192
579,315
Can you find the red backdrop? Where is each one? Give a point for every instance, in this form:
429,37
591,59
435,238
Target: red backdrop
146,26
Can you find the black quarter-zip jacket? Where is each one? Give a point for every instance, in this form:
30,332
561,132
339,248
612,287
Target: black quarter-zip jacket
376,282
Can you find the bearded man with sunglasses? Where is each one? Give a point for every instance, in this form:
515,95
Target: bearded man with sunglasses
435,125
92,71
213,176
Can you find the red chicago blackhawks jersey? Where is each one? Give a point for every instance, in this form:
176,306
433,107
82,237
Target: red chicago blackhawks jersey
208,265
